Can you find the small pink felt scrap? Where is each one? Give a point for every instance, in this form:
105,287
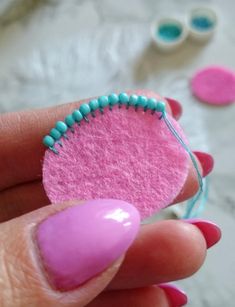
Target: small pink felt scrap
214,85
121,154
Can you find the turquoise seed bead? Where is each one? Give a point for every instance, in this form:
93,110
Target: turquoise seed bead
69,120
61,126
161,106
113,99
133,100
152,103
94,104
123,98
55,134
84,109
103,101
48,141
142,101
77,115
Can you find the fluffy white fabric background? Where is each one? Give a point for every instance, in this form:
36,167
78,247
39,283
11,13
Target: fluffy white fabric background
57,51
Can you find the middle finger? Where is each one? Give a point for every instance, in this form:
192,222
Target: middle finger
165,251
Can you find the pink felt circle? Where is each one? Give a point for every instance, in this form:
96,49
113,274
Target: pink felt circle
214,85
122,154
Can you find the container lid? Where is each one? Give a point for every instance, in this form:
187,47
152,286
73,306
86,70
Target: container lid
168,33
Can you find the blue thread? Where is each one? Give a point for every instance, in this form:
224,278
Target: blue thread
191,212
202,23
177,136
169,32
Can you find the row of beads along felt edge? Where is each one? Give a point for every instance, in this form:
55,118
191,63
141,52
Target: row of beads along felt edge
100,103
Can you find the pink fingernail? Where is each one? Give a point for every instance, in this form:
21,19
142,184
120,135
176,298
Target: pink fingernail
206,160
210,231
81,241
176,296
176,107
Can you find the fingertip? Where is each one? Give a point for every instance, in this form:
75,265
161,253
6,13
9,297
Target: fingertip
187,245
175,295
191,184
176,108
206,161
211,232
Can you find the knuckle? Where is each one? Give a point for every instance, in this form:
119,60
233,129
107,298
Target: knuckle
16,276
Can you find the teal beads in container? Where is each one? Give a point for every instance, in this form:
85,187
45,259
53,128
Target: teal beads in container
103,101
61,127
77,115
202,23
69,120
123,98
48,141
84,109
169,31
94,104
55,134
113,99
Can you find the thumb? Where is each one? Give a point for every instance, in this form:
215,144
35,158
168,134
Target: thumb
64,255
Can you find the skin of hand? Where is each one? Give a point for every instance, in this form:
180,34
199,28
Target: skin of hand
139,268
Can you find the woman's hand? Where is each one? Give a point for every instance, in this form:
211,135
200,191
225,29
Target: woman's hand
43,257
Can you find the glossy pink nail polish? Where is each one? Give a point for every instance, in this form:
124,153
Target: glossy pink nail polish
176,107
206,160
176,296
210,231
81,241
